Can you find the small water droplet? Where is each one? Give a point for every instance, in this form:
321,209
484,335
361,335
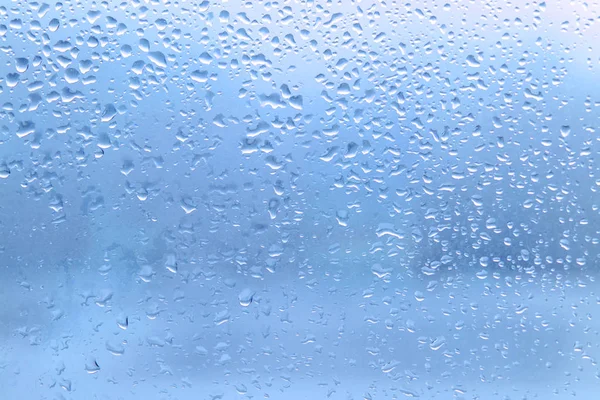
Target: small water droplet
245,297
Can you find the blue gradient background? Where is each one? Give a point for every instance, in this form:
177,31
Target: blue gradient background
423,223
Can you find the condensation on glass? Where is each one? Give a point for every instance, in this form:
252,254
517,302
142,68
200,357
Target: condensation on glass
299,199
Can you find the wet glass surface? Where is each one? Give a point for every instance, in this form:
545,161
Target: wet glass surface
299,200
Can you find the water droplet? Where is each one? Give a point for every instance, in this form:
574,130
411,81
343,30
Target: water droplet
146,273
109,113
115,348
91,366
158,58
472,61
245,297
21,64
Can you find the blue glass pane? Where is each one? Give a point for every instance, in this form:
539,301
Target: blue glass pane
299,199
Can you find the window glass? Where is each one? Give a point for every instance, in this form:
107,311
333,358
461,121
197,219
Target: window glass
299,199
